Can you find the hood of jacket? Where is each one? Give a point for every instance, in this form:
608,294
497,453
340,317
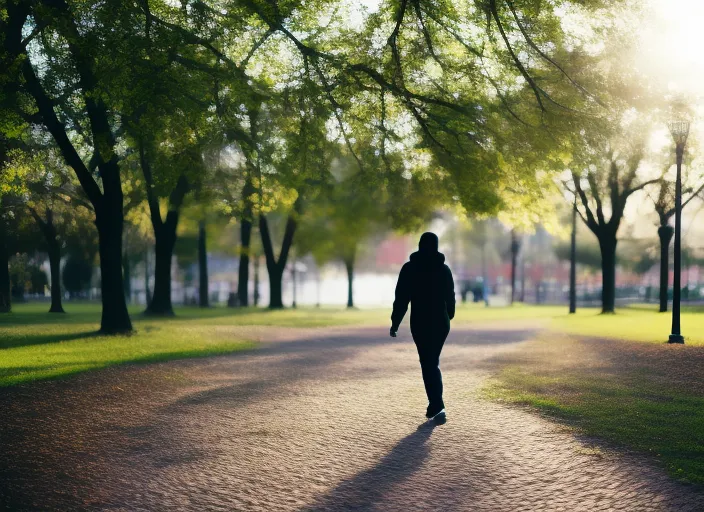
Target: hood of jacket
428,257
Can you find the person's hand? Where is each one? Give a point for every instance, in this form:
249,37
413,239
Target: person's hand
392,332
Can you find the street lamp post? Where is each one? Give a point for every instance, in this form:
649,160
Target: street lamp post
573,260
515,247
293,275
679,131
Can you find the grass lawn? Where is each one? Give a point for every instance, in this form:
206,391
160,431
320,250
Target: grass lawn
36,345
644,397
632,390
89,313
637,323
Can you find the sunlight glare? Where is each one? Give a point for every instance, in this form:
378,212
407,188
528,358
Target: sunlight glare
671,50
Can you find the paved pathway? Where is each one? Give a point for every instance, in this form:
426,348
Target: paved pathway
317,420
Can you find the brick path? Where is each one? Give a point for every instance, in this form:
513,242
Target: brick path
317,420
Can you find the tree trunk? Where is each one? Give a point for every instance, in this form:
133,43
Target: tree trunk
523,278
515,247
5,300
485,284
115,318
293,279
202,268
108,203
256,281
317,288
127,278
275,288
276,268
147,293
607,246
665,234
243,273
48,229
165,240
349,266
161,305
55,268
164,236
245,238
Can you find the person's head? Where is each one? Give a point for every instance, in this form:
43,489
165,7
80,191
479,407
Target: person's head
428,242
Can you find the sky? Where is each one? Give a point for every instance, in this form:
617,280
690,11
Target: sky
671,52
671,48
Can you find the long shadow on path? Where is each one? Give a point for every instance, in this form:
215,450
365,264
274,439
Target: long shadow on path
169,419
367,489
308,359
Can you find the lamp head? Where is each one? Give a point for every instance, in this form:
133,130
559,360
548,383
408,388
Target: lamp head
679,131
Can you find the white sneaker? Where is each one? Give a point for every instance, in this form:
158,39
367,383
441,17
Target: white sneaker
442,415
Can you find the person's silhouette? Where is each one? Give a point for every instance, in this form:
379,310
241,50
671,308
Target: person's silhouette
426,282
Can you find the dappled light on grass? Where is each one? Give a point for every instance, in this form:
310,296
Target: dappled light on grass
641,396
33,362
35,344
87,313
45,350
641,323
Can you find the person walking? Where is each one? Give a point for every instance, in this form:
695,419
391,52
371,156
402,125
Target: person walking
426,282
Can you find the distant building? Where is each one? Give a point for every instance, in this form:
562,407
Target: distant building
392,253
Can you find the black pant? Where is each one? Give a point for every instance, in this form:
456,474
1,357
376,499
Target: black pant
429,345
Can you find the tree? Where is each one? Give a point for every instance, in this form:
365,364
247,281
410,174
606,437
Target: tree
7,222
441,87
245,244
238,196
165,229
236,167
338,221
21,249
169,147
186,251
78,56
606,187
11,189
55,203
49,230
18,239
275,266
293,163
194,239
664,204
20,275
432,75
45,192
72,68
203,300
456,74
259,170
5,300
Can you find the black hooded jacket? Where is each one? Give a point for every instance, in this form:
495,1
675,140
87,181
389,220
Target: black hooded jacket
426,282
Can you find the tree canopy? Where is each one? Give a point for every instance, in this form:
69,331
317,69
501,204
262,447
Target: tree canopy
465,103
